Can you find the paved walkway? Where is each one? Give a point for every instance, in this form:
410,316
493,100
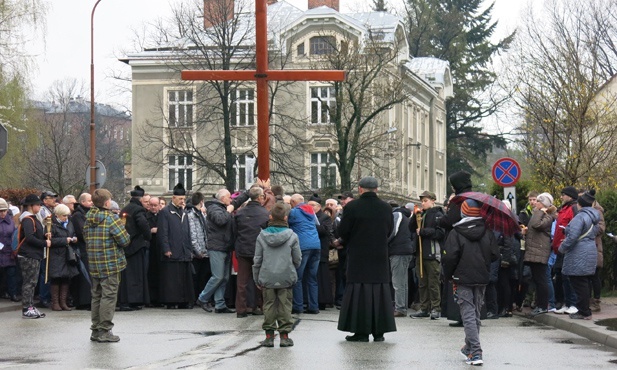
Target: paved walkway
584,328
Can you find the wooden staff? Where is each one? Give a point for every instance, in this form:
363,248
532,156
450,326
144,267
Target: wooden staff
419,222
48,232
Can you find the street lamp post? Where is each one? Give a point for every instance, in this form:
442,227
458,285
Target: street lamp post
92,127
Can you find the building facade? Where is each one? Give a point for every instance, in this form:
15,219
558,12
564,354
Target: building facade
178,137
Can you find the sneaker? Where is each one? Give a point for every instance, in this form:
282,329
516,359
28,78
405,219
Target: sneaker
286,341
399,314
465,352
537,311
475,360
491,316
435,314
562,310
106,336
30,313
552,309
578,316
571,310
419,315
41,315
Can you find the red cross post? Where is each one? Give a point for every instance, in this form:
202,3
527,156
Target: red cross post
262,75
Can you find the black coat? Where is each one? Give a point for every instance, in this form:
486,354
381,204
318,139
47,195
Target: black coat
401,243
365,229
31,238
220,227
249,221
470,249
173,234
325,230
58,265
137,226
431,234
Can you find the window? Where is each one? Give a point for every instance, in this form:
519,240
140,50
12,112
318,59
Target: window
323,171
300,49
323,104
181,170
245,171
243,108
180,103
322,45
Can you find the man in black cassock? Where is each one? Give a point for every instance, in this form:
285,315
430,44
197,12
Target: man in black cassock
174,237
133,292
367,303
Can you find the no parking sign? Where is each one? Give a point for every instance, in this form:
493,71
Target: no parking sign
506,172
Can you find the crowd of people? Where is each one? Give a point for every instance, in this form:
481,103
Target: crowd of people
261,252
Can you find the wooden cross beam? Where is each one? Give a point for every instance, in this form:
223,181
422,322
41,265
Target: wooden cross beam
262,75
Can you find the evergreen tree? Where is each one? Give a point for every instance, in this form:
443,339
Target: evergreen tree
379,6
459,32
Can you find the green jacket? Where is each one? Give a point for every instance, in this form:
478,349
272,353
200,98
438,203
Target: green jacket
105,237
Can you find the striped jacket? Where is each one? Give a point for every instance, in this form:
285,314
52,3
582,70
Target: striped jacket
105,237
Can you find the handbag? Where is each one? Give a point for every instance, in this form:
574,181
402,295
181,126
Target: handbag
71,256
333,257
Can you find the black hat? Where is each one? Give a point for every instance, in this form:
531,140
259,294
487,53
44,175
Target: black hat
460,181
571,192
587,199
138,191
179,189
315,198
48,193
393,203
368,182
345,195
31,200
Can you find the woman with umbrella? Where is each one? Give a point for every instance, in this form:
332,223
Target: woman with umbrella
538,248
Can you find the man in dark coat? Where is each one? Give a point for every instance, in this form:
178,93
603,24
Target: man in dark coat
367,303
134,281
174,237
249,221
400,251
220,233
80,284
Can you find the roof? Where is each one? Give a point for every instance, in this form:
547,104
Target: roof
78,105
435,71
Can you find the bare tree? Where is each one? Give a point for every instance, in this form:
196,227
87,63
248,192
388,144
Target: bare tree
555,72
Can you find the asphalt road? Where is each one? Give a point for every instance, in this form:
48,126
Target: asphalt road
173,339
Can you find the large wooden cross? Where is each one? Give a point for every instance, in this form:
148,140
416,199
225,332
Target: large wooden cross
262,75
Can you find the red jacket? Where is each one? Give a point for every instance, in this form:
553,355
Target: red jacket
566,214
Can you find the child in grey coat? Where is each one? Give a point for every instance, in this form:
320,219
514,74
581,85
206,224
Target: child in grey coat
277,256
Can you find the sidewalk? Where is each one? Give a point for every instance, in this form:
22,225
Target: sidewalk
585,328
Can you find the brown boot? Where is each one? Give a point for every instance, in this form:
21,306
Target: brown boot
64,295
54,289
595,305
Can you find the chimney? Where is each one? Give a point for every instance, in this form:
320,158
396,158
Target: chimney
217,12
270,2
329,3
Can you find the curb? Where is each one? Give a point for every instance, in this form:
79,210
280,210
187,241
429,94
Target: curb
10,308
584,328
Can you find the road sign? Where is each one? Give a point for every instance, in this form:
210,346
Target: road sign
509,194
506,172
4,140
100,172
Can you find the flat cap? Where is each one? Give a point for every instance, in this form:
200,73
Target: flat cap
428,194
368,182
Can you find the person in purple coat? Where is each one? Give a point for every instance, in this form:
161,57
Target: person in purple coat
7,259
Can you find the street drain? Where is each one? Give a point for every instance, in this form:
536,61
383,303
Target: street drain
566,341
529,323
611,324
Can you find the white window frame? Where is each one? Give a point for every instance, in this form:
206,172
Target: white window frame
245,170
181,107
320,162
182,171
244,106
317,102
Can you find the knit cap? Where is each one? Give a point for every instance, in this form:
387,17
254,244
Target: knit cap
546,199
587,199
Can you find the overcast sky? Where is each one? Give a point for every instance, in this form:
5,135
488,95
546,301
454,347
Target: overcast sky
66,51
